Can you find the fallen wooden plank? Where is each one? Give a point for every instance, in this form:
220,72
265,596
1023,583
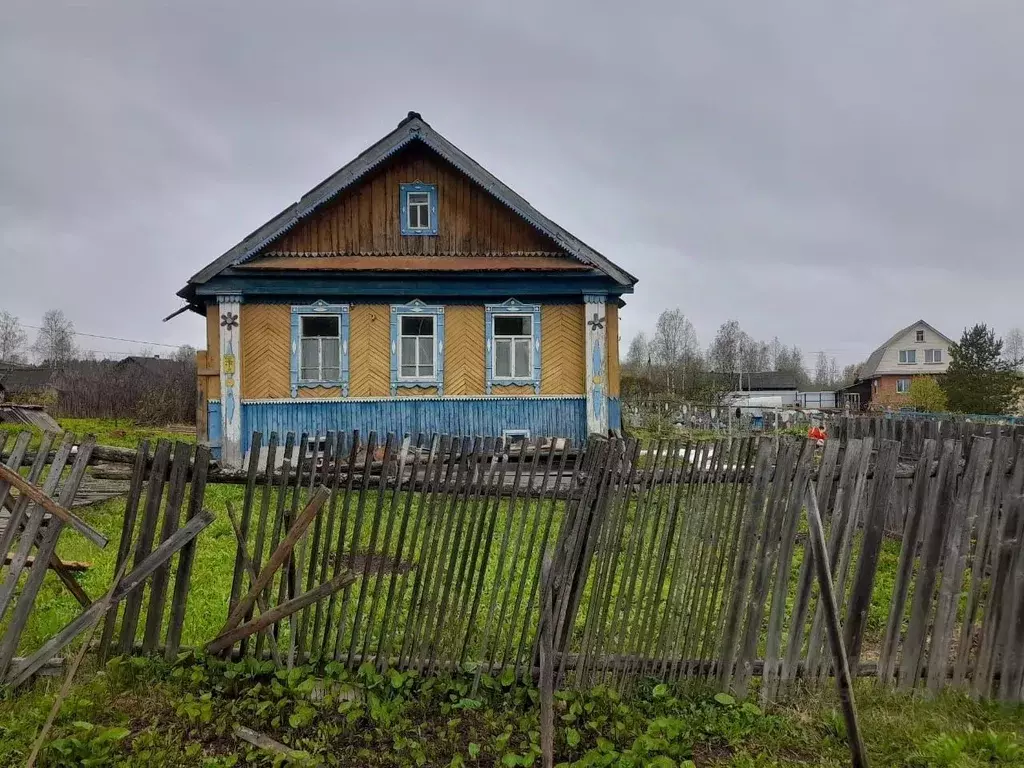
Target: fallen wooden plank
74,566
36,495
227,639
263,741
22,672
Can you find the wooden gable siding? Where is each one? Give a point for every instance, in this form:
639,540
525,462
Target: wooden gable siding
365,219
369,350
266,355
464,350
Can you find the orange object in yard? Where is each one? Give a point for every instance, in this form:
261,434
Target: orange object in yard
817,433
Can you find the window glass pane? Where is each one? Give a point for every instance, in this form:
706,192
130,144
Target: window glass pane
511,326
418,198
426,371
522,367
417,326
426,353
331,374
413,217
310,366
316,325
408,371
407,355
330,352
503,358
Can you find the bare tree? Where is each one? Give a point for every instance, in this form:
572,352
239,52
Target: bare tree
849,375
775,349
639,353
724,352
55,343
1013,347
675,340
186,353
12,339
755,356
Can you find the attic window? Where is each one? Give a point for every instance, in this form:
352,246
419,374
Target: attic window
418,204
920,336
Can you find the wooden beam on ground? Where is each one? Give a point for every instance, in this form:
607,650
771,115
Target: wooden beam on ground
72,566
36,495
69,581
263,741
227,639
22,672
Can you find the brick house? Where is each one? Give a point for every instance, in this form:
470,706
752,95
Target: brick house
883,381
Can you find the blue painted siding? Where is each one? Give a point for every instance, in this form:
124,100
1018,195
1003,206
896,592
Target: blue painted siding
544,417
213,426
614,413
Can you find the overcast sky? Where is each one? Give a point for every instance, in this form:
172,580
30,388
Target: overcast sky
827,172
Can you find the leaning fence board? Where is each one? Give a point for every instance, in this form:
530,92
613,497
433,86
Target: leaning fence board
44,551
147,534
871,543
961,525
908,551
941,501
127,586
131,511
171,520
49,505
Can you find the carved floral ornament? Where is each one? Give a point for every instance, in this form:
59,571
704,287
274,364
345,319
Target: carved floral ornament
229,320
596,323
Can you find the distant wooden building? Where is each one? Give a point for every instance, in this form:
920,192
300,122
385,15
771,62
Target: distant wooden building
412,291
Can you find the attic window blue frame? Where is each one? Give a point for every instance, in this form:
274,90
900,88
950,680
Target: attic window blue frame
412,363
310,330
510,371
418,209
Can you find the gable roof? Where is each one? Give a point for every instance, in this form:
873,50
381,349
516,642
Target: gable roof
15,377
157,366
870,367
412,129
753,381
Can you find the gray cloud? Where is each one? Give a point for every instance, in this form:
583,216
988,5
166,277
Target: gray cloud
826,172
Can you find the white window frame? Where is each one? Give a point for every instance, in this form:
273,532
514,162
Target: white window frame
433,348
900,382
528,376
919,337
934,354
908,357
408,210
319,349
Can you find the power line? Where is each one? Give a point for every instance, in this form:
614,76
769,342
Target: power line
114,338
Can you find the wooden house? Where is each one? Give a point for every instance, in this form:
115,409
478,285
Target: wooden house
411,291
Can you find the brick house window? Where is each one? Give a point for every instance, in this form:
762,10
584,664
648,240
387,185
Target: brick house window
908,356
902,386
933,355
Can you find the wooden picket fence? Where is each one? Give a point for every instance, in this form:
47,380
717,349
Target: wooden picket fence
671,559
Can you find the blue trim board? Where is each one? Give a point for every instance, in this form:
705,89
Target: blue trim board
495,285
614,414
403,197
417,307
489,417
213,426
511,307
320,307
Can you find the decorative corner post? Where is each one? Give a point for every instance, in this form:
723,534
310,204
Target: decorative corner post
595,324
229,309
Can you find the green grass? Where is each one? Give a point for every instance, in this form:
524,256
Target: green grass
138,712
121,433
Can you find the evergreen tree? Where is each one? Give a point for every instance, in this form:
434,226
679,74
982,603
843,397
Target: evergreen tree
979,379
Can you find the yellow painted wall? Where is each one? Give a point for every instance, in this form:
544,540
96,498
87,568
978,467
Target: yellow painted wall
266,356
464,350
612,316
369,350
213,350
513,390
563,366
